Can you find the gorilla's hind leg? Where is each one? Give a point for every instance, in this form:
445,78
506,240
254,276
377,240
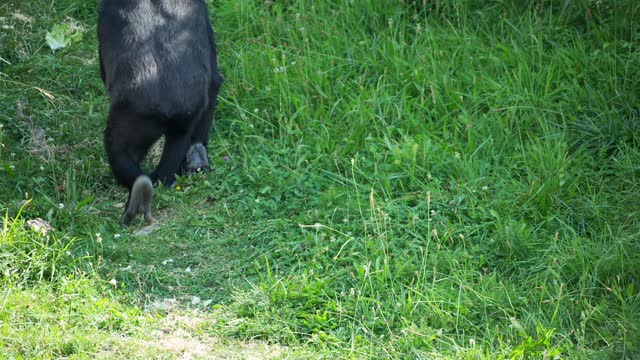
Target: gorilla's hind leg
196,158
128,137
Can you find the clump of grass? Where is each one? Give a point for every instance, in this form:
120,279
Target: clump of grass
30,255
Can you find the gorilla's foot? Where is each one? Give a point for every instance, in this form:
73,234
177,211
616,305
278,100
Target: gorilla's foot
139,201
195,160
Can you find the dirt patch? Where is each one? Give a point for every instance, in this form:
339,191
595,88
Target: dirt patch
179,337
37,136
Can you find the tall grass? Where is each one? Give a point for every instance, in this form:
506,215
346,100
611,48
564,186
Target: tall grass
510,118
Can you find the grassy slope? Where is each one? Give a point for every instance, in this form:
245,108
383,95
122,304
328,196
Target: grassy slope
415,182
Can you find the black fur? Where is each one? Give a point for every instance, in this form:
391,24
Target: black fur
158,62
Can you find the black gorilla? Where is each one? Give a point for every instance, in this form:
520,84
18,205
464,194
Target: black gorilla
158,62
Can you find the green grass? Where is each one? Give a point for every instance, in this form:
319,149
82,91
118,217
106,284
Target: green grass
390,179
